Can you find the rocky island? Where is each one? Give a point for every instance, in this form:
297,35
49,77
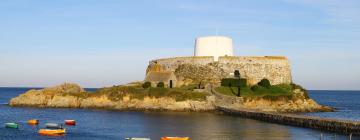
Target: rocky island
202,82
135,97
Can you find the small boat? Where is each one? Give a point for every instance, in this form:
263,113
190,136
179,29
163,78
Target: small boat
11,125
175,138
33,122
70,122
137,138
54,125
52,132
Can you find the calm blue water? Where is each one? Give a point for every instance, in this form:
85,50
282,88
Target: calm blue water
103,124
347,103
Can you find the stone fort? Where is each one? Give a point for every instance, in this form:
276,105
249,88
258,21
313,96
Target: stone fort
213,60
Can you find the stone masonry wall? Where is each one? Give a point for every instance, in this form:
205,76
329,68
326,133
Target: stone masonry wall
170,64
274,68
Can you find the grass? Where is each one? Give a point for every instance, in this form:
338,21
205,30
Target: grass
273,91
117,93
183,93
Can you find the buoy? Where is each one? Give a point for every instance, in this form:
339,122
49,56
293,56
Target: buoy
70,122
33,122
52,132
54,125
175,138
11,125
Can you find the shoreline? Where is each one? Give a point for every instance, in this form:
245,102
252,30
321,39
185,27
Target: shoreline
341,126
112,109
273,110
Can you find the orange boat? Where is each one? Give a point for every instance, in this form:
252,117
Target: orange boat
70,122
33,122
52,132
175,138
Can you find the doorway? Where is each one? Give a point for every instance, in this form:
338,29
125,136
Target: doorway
171,84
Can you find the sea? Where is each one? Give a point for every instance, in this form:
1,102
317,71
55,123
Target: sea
97,124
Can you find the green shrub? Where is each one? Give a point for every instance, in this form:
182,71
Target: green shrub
179,95
255,88
265,83
281,88
158,92
160,85
233,82
116,93
146,85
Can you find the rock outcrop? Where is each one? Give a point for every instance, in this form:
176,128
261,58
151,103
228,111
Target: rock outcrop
284,105
71,96
51,96
295,103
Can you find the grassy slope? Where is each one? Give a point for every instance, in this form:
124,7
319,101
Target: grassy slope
276,90
116,93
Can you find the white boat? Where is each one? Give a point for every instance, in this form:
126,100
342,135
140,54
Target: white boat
54,125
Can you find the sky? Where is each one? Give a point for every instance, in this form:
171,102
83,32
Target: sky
98,43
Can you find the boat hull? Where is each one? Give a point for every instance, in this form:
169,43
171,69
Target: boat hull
52,132
33,122
53,125
70,122
11,125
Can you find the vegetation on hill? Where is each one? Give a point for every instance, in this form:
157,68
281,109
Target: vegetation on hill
139,91
279,98
233,82
262,89
130,96
258,91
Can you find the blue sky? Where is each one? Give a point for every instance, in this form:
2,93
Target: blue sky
100,43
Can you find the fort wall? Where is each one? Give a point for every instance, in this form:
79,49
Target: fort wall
274,68
254,68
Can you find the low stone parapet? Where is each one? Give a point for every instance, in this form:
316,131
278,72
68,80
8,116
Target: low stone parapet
333,125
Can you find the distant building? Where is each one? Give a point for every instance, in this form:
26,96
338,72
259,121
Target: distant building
167,77
213,46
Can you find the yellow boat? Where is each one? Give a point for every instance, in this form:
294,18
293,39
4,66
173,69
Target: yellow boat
52,132
33,122
175,138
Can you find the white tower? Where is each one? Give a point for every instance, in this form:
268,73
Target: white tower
213,46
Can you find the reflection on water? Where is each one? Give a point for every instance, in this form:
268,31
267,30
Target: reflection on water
209,126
